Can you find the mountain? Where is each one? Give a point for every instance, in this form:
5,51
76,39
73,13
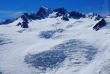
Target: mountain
44,12
55,41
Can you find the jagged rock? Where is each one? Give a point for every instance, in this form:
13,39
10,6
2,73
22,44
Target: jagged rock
99,25
90,15
98,17
24,17
58,14
65,18
75,14
18,24
33,16
43,12
24,24
60,11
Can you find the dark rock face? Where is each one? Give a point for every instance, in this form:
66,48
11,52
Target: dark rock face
65,18
43,12
24,24
25,18
18,24
60,11
75,14
98,17
99,25
33,16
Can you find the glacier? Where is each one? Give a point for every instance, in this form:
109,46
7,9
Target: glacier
52,45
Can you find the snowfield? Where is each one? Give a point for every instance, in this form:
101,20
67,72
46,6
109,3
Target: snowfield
55,46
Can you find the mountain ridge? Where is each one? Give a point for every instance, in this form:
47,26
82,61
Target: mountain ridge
59,12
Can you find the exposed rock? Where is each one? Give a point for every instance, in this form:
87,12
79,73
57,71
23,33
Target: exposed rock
18,24
60,11
90,15
43,12
75,14
24,24
98,17
65,18
33,16
99,25
25,17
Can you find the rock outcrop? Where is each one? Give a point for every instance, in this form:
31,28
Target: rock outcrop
65,18
74,14
43,12
60,11
99,25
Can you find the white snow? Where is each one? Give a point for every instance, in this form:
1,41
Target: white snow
21,41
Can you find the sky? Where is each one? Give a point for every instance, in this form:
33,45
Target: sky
13,8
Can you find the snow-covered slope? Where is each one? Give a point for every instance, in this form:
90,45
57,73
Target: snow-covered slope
51,45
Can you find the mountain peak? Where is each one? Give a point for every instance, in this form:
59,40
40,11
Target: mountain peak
60,10
44,12
42,7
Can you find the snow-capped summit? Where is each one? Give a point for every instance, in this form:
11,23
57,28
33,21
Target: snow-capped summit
44,12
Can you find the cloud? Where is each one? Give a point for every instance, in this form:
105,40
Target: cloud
13,13
9,14
17,13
